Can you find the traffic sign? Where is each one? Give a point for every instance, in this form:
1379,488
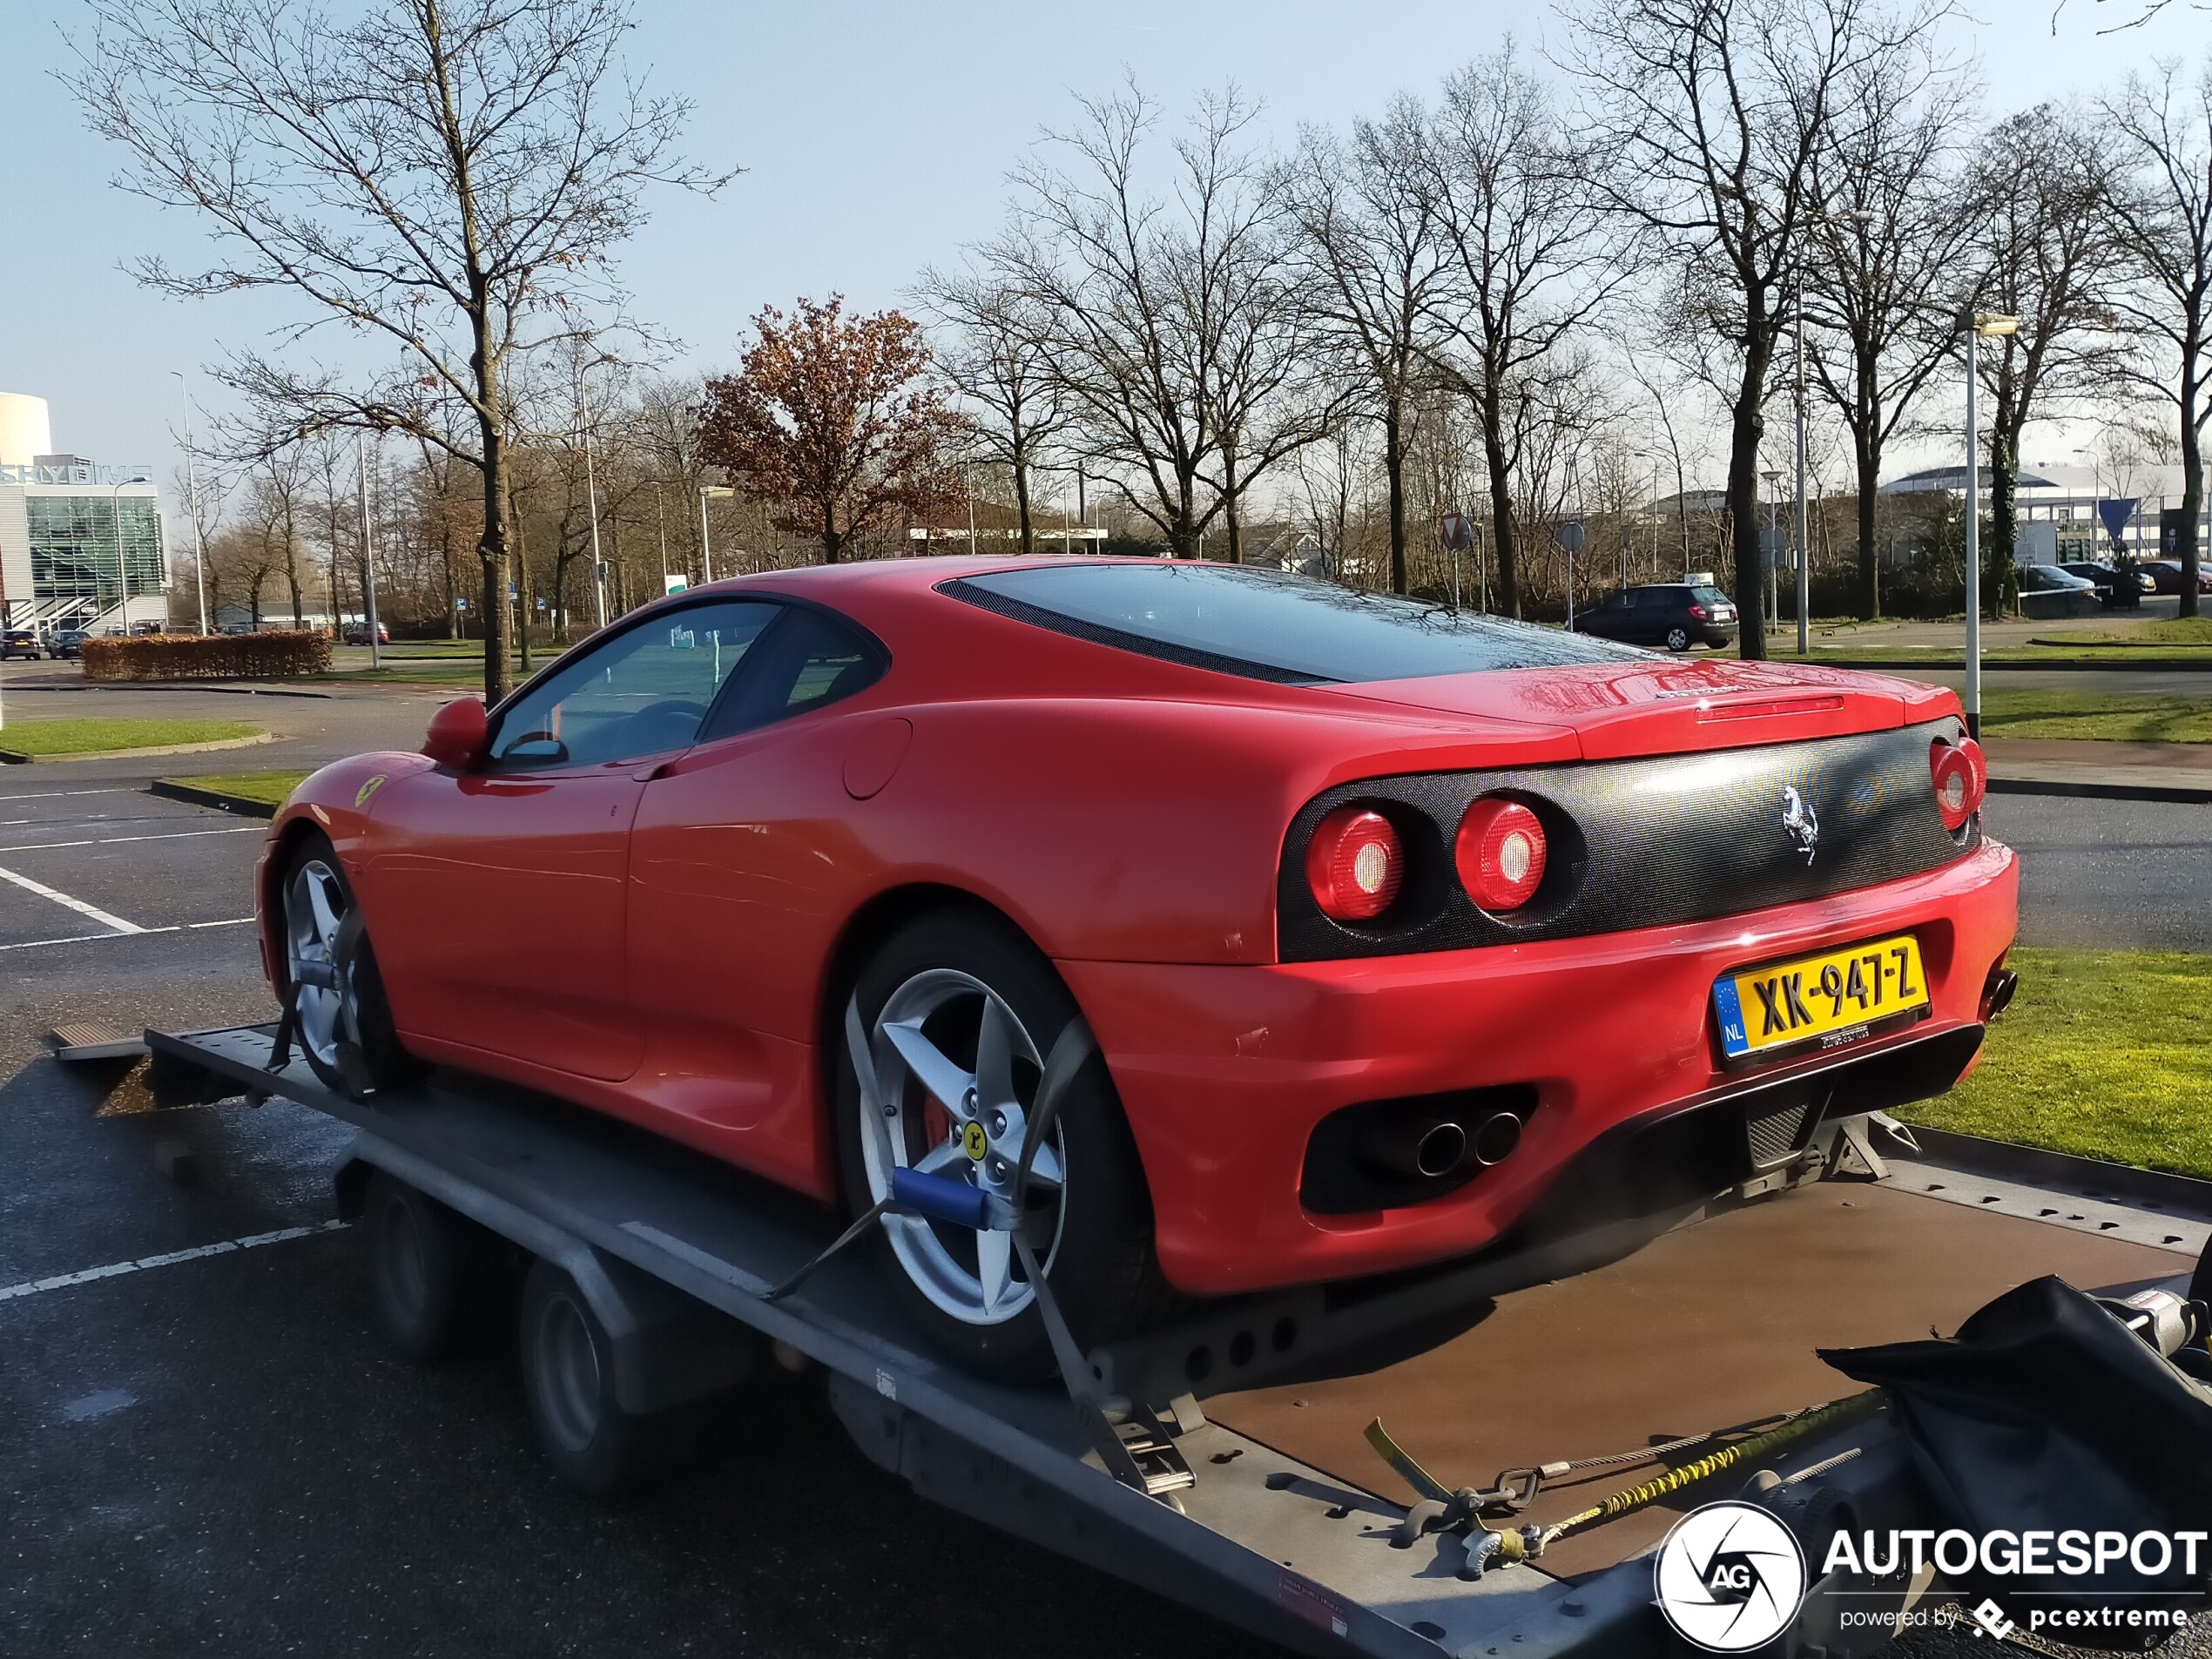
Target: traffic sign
1570,536
1456,531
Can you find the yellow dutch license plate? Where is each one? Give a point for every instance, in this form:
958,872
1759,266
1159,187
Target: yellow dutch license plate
1833,998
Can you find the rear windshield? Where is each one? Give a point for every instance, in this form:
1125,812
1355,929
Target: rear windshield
1710,595
1268,625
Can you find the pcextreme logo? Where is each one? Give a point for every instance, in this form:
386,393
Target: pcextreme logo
1729,1577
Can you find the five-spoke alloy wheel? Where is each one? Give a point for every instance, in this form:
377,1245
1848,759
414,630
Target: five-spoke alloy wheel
345,1025
956,1075
946,1037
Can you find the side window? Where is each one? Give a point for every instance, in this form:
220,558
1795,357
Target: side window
644,691
810,660
1657,598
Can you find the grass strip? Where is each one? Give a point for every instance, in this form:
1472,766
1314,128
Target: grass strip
43,738
2102,1054
265,788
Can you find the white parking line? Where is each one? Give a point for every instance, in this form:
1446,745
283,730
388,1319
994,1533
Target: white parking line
119,841
90,912
138,933
58,794
61,1281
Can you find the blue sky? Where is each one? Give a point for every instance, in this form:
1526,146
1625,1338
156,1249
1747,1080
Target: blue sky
876,137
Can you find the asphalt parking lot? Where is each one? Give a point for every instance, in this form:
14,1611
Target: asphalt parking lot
215,1456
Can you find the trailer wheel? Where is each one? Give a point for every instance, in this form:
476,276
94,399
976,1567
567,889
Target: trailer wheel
432,1273
569,1377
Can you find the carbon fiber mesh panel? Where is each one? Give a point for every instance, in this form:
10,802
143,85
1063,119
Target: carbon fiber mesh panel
1645,843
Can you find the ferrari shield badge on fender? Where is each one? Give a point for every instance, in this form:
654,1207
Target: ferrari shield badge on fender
368,789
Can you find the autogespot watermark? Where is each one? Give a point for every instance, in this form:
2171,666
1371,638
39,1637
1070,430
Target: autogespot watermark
1957,1553
1731,1576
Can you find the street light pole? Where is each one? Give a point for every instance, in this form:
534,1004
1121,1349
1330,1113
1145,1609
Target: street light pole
1766,553
1804,549
191,505
660,516
1655,517
591,502
368,557
718,492
121,560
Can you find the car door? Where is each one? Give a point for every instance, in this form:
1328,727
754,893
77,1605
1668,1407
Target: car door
1607,619
499,894
1635,617
744,855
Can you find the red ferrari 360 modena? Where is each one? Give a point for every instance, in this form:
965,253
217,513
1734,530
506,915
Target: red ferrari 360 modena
1387,934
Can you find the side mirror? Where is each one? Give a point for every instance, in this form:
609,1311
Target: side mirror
457,734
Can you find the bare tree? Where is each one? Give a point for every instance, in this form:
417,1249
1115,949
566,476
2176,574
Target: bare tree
1331,477
1375,261
1149,303
1715,111
1521,213
2037,187
444,176
274,495
2160,198
1666,411
1881,258
996,359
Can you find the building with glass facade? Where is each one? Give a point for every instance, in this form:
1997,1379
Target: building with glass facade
76,537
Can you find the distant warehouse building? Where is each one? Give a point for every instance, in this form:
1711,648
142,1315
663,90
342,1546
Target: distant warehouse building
78,538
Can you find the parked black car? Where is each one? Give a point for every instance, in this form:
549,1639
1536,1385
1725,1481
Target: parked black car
1676,615
2048,590
18,642
66,642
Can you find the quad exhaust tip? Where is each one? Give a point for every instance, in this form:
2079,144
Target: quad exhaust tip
1440,1149
1996,993
1446,1146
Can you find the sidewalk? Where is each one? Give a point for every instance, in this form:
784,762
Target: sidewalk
2169,771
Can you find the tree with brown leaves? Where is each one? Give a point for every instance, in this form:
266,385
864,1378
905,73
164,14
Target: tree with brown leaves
832,420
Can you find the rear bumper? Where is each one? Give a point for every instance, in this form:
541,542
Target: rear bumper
1224,1072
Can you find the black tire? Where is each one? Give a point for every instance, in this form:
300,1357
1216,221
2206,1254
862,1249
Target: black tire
1678,639
365,1053
569,1380
1102,1272
436,1278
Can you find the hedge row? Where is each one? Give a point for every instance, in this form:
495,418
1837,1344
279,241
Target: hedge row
274,655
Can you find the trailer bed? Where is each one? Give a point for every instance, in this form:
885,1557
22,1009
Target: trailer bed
1287,1529
1711,1325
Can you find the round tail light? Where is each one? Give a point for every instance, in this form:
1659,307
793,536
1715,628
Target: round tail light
1355,864
1962,776
1500,854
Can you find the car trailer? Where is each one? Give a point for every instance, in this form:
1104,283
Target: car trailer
1230,1462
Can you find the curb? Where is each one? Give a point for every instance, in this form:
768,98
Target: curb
2183,794
10,757
199,685
1958,665
173,789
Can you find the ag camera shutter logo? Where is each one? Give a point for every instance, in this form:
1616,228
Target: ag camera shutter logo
1729,1577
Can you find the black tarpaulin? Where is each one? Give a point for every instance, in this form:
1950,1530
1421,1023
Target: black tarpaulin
2046,1414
